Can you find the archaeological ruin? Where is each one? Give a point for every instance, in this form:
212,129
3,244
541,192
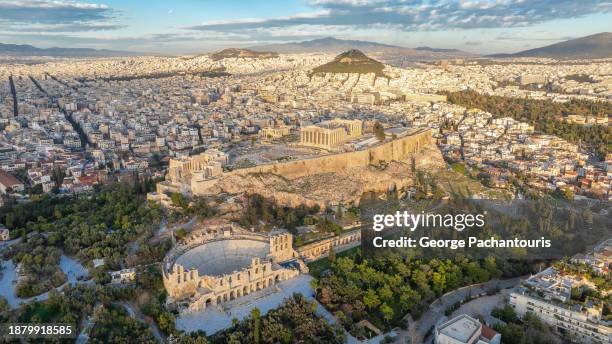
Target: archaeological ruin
218,264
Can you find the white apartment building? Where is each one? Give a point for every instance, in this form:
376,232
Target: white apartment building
546,296
583,323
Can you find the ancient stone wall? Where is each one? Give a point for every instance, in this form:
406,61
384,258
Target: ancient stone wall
398,149
321,248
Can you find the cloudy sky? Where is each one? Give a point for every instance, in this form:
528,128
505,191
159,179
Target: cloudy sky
194,26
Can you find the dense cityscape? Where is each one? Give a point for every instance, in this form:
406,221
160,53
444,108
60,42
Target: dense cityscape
227,196
75,118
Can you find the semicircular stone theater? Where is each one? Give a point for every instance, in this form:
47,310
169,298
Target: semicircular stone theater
219,264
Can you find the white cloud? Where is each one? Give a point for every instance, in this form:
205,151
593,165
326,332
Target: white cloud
417,15
52,12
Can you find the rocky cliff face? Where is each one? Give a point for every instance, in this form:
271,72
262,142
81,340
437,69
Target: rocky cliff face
326,189
429,158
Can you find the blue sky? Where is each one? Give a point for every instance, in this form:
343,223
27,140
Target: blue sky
195,26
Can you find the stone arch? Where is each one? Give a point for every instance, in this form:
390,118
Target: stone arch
208,303
270,281
224,297
238,293
218,299
245,290
232,295
258,285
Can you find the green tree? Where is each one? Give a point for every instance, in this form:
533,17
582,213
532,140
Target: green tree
387,312
409,298
180,233
505,314
370,299
385,293
178,200
568,194
379,131
332,255
4,306
58,176
256,316
339,213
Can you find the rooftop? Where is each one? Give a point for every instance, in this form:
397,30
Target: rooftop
8,180
461,328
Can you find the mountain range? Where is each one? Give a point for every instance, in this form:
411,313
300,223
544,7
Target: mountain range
334,45
590,47
242,53
28,50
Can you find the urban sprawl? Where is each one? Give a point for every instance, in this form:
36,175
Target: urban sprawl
258,164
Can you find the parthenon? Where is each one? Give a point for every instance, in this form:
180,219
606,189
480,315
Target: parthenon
330,134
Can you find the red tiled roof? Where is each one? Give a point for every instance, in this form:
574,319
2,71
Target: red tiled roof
88,180
8,180
488,332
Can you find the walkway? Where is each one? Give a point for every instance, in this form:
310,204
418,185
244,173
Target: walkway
215,319
74,271
135,313
436,310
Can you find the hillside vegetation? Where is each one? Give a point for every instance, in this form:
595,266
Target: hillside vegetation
352,61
